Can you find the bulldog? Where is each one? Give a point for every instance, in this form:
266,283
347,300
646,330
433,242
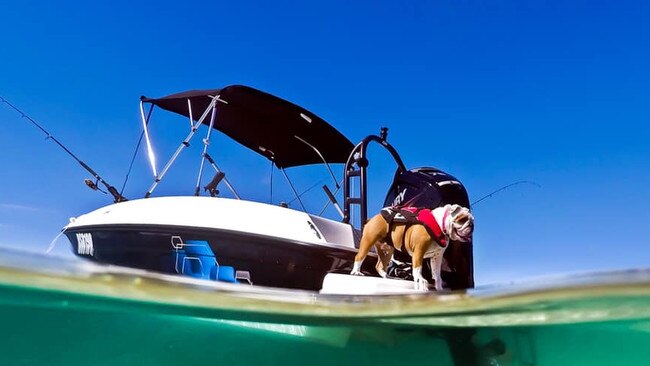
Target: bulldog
421,233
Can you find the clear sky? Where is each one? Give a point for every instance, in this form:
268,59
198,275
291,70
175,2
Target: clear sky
555,92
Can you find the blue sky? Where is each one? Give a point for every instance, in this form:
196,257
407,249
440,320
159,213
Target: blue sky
493,92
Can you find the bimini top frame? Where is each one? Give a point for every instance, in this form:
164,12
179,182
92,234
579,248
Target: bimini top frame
283,132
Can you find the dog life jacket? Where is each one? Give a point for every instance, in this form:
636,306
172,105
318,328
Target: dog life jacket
413,216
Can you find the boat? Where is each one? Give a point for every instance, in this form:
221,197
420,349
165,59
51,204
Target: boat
217,238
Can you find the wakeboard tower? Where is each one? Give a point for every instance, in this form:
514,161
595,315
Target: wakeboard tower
237,240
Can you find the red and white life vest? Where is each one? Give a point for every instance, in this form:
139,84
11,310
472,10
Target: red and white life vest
414,216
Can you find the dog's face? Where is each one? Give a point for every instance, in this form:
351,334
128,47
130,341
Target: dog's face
460,225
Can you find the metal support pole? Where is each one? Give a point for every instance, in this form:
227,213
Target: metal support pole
293,189
321,157
363,183
206,143
150,153
180,148
189,109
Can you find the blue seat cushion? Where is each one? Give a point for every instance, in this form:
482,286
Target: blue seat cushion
198,248
226,274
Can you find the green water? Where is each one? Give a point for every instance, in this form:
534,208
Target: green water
79,315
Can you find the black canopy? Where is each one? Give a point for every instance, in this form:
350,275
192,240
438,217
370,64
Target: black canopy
265,124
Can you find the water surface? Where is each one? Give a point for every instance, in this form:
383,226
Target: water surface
70,312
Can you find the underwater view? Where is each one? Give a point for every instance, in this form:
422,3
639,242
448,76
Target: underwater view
72,312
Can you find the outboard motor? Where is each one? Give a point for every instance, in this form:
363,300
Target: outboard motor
426,187
430,188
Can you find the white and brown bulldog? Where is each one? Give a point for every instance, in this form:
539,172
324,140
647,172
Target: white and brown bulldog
421,233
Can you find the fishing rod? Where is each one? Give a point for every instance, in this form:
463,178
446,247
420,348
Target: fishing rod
92,185
307,190
504,188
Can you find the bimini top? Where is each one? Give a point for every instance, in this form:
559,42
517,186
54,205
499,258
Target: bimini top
273,127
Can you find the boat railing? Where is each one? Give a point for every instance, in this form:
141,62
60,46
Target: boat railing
356,167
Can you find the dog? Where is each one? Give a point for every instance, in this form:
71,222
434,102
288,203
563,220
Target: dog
422,233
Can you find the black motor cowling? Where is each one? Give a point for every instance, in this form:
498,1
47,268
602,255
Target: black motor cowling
430,188
426,187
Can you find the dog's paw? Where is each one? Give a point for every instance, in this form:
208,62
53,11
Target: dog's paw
356,269
421,284
439,284
379,267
